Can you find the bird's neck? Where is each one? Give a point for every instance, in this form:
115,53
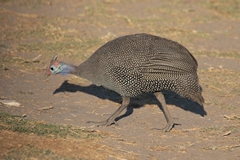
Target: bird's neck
67,69
85,71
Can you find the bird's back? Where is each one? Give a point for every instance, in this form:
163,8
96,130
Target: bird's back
133,64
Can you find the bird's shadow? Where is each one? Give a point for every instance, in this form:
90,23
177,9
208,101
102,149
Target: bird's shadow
136,102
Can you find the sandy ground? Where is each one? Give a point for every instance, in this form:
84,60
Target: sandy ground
212,132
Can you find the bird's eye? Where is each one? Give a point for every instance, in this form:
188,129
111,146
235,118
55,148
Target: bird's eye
51,68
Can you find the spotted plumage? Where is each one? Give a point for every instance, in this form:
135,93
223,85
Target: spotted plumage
142,63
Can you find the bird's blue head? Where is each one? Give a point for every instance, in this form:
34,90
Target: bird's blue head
57,67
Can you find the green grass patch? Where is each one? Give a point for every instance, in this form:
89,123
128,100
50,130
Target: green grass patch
97,9
7,61
230,8
3,45
236,91
210,129
222,129
29,152
26,3
233,129
4,1
74,48
228,107
41,31
218,54
169,29
221,82
17,124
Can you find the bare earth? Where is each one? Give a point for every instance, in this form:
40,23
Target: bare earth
31,33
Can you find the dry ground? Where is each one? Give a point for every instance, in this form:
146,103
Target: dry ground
31,32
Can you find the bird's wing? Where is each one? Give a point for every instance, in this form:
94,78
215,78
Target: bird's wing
167,63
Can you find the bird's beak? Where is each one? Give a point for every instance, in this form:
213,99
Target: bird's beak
47,73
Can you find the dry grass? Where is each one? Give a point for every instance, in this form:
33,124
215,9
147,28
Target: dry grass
76,34
24,139
32,33
217,54
227,9
221,82
25,146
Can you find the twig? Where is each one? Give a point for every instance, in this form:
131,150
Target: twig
45,108
36,58
23,116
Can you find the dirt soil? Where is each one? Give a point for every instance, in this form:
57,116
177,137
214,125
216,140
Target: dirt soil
32,32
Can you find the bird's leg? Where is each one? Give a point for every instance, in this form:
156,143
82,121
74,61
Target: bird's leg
111,119
170,123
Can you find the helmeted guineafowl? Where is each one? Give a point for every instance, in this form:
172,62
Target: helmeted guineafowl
136,64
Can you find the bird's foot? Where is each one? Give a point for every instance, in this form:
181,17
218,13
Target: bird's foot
168,127
108,122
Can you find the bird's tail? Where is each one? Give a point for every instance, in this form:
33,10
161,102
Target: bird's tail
191,91
197,98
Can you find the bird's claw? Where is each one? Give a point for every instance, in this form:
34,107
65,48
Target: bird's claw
104,123
168,127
